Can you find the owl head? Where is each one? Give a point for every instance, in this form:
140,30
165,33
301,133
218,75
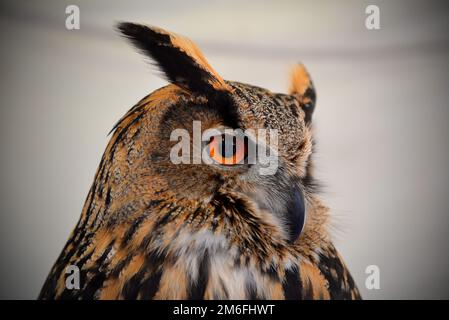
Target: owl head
233,157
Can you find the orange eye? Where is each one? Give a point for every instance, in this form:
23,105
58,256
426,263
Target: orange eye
227,149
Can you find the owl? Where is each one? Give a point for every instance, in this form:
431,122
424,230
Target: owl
208,220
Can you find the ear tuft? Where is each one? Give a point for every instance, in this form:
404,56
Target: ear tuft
179,58
301,86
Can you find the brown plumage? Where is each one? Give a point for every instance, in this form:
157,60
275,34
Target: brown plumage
152,229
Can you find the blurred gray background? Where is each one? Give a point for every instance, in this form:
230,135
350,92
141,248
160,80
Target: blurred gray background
381,120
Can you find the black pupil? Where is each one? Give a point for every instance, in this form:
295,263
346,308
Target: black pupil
228,146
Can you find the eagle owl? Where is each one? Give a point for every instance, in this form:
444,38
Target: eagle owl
155,229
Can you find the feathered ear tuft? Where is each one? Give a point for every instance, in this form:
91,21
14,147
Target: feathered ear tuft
178,57
301,86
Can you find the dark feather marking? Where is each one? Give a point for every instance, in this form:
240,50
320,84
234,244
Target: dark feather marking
272,272
309,107
73,293
99,264
227,107
107,201
94,284
217,213
120,266
138,222
307,291
121,133
132,287
198,286
80,263
166,218
293,109
150,285
292,285
337,289
179,68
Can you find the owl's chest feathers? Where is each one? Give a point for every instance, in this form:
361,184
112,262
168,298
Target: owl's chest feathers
216,269
177,256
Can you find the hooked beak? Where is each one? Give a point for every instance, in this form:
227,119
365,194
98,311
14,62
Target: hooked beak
285,201
295,215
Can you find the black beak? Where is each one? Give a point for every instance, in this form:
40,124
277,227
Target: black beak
295,214
281,195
